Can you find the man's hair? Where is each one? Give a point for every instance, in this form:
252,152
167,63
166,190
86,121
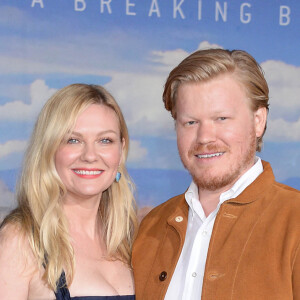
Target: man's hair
204,65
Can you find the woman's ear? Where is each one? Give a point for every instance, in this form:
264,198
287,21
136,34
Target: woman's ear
123,144
122,157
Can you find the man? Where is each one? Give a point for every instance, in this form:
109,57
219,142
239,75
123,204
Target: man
234,234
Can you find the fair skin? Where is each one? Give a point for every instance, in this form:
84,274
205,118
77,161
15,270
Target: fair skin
87,163
216,134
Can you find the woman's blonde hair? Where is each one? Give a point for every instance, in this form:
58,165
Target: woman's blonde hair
40,189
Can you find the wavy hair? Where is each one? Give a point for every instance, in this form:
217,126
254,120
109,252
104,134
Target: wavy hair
40,189
204,65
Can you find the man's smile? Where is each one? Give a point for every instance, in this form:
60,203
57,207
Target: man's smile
210,155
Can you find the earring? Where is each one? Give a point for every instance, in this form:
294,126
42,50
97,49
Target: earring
118,176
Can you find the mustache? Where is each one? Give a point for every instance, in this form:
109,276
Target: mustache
198,149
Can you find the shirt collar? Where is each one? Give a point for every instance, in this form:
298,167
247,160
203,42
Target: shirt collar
246,179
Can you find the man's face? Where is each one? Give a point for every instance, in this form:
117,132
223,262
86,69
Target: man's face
217,131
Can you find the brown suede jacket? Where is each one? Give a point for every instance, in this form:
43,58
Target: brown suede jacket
253,252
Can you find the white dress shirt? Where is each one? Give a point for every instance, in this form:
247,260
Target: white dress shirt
187,280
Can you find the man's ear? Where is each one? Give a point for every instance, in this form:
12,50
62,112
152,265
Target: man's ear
260,119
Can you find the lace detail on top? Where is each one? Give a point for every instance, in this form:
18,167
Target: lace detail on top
64,294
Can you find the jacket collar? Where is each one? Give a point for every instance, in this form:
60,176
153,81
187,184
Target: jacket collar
253,192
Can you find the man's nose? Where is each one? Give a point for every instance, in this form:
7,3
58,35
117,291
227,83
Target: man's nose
206,132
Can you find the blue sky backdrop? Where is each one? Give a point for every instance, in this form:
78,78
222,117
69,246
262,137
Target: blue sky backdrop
130,46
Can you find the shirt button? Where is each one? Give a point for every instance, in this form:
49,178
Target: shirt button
163,276
204,233
194,274
179,219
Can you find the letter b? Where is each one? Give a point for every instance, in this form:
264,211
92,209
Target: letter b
284,18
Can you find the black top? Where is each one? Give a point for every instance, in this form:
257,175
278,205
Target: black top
64,294
127,297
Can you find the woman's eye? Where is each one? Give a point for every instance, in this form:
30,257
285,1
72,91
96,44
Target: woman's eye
73,141
222,118
106,141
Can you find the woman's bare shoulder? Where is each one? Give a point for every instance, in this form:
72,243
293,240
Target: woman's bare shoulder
13,238
20,276
16,262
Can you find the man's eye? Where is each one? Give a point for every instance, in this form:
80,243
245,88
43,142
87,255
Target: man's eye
190,122
222,118
73,141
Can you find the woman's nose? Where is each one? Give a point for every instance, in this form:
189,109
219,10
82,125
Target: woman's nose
89,153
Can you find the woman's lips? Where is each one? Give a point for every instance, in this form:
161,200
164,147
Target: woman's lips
88,173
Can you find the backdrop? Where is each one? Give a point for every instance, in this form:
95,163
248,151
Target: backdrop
129,46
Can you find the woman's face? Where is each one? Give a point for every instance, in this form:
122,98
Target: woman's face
87,161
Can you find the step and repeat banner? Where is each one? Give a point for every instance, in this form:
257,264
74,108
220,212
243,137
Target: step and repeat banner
129,47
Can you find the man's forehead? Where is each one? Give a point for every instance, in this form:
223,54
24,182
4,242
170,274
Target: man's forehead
222,83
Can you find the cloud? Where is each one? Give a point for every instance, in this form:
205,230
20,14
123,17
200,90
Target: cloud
20,111
207,45
140,98
284,84
12,147
7,198
283,131
167,60
137,153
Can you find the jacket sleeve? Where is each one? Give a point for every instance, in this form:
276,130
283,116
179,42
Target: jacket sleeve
296,275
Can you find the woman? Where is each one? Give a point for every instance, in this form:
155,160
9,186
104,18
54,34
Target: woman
72,232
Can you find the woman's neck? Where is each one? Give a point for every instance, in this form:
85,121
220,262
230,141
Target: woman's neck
82,216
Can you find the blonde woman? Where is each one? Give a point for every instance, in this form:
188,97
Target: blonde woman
71,234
